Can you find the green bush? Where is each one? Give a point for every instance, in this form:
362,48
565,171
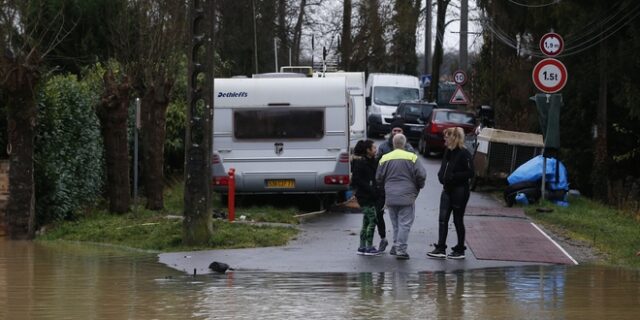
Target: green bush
68,149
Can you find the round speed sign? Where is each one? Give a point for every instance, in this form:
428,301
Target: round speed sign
460,77
550,75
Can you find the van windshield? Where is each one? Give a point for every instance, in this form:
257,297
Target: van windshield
278,123
391,96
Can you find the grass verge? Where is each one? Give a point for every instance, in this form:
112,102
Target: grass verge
162,230
608,230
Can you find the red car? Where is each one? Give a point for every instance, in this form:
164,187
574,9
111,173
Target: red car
432,139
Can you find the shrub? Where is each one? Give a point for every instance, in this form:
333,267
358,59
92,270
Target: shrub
68,149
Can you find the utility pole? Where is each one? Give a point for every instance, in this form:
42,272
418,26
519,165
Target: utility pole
197,225
427,42
464,19
255,35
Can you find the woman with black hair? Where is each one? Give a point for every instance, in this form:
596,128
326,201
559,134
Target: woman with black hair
363,180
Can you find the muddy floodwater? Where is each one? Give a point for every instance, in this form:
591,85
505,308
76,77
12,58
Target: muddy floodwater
73,281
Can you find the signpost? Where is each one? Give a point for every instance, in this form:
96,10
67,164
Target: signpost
458,97
551,44
550,75
460,77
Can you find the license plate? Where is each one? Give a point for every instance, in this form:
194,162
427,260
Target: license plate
416,129
281,183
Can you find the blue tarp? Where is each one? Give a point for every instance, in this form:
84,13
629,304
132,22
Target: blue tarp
532,171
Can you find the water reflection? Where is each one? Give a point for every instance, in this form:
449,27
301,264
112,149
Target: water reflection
72,281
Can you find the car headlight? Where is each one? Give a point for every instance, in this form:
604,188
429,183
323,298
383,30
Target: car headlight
374,109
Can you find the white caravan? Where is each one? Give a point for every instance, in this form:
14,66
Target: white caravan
357,107
281,135
383,93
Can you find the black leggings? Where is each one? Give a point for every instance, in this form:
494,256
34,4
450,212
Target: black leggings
452,200
382,228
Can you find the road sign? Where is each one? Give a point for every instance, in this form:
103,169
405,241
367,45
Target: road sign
459,97
551,44
459,77
425,80
550,75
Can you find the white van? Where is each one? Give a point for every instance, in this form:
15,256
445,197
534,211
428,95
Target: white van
357,107
383,92
281,135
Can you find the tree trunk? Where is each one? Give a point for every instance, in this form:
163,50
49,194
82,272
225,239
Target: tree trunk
297,33
113,111
600,171
282,32
21,122
346,36
437,54
154,118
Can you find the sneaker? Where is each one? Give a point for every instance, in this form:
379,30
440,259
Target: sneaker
361,251
383,245
402,256
437,253
455,255
372,251
392,251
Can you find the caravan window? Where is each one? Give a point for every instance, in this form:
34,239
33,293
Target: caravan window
279,123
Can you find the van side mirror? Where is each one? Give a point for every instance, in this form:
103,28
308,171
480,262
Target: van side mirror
367,101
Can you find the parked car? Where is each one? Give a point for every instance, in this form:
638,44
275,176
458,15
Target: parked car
432,139
414,114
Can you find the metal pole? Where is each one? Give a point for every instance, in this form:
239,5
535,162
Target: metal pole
427,45
135,154
544,175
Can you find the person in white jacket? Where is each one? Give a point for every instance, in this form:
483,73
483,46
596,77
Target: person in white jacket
402,176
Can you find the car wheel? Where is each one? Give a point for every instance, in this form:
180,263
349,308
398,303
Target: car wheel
421,146
370,132
427,150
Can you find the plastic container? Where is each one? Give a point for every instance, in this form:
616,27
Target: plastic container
521,198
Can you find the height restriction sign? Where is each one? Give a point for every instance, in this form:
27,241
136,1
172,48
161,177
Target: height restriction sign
550,75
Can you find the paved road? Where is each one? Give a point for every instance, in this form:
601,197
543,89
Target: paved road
329,241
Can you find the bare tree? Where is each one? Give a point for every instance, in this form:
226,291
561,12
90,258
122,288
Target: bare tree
346,36
297,32
113,111
24,47
437,54
161,44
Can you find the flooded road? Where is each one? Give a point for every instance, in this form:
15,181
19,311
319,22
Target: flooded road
72,281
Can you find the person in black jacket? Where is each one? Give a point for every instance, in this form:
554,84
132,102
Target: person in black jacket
363,180
454,174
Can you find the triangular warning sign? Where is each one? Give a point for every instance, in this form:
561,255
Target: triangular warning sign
459,97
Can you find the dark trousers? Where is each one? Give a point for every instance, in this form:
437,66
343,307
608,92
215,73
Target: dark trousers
382,228
454,200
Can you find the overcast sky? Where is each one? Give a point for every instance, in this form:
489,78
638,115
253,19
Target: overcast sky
452,35
331,15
